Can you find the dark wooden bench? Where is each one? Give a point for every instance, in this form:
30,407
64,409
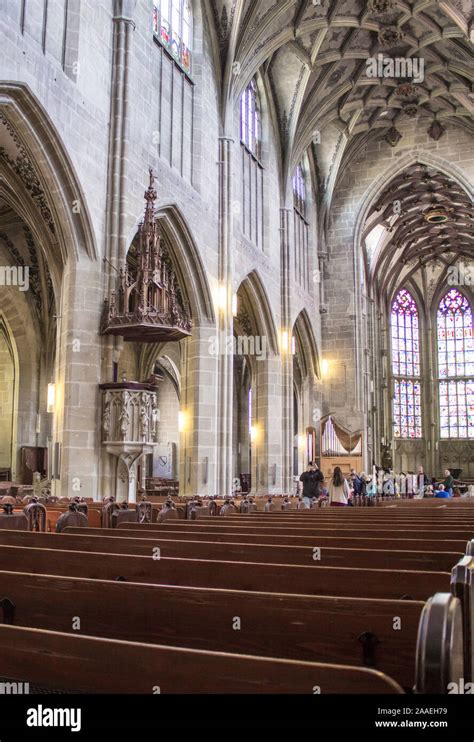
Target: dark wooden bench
292,579
363,531
269,554
351,631
56,661
353,515
174,532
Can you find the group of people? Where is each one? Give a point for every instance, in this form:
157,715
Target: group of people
338,492
341,490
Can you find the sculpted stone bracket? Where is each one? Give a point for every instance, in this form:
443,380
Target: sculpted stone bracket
129,430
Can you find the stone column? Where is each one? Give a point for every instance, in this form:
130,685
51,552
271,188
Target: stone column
198,442
76,419
117,186
225,323
267,446
286,356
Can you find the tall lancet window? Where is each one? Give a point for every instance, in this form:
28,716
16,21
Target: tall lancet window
455,366
406,411
301,228
252,169
250,118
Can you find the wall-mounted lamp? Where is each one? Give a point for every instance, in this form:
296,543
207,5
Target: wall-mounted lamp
51,397
302,442
324,367
253,433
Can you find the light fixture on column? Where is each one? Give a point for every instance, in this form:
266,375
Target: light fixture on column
285,341
181,421
302,442
324,367
253,433
51,397
222,296
235,307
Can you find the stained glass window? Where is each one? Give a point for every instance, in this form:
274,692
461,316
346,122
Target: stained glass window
250,119
407,409
406,367
455,366
172,25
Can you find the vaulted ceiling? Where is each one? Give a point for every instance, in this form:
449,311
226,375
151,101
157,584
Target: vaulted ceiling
427,218
312,56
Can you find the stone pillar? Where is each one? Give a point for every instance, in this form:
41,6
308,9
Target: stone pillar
286,356
77,411
198,441
267,446
117,187
225,323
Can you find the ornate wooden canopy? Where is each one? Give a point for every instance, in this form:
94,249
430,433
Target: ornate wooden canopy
147,305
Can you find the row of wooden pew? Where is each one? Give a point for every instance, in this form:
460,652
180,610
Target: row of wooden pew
330,600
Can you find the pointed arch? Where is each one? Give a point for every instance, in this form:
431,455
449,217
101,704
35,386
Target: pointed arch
34,131
306,343
8,337
405,365
187,262
455,365
417,157
258,304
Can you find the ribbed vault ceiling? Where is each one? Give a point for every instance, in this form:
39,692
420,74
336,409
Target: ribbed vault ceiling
312,58
410,241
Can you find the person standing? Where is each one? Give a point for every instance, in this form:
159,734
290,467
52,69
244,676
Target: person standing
357,483
338,488
311,479
423,481
448,482
269,506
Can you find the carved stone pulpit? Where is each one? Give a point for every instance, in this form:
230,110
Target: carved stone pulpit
129,430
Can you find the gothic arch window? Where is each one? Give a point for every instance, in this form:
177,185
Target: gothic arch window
301,228
455,366
406,412
250,130
172,24
252,169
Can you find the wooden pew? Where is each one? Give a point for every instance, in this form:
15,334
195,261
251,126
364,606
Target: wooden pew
53,513
292,579
349,530
269,554
352,631
61,662
328,515
175,533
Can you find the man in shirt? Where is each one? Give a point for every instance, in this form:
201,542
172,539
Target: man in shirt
448,482
312,479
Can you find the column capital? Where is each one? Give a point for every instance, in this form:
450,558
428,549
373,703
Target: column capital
123,11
